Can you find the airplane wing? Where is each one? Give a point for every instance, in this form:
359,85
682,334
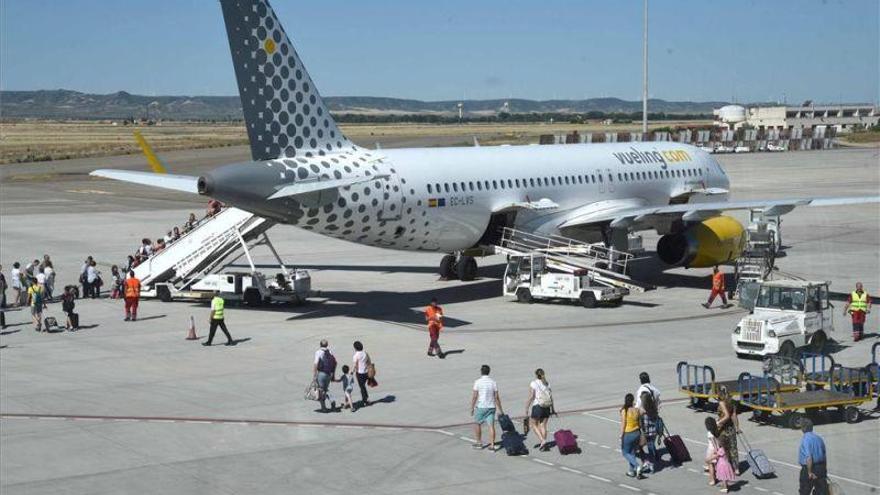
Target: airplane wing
183,183
188,183
625,213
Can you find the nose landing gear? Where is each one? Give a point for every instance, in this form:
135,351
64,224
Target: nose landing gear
458,266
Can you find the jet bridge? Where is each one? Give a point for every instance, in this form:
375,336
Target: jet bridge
604,265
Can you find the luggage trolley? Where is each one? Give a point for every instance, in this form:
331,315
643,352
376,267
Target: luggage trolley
874,369
848,388
817,369
699,383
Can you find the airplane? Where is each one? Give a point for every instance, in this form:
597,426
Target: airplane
454,201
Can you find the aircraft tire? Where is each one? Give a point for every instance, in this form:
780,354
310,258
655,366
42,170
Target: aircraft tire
447,267
466,268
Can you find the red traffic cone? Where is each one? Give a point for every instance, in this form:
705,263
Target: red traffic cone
192,330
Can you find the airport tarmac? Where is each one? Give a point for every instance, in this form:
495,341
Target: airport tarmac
134,408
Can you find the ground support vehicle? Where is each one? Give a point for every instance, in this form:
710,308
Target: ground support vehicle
250,288
787,316
768,401
528,278
699,383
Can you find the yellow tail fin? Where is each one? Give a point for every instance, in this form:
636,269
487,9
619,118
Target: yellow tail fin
152,159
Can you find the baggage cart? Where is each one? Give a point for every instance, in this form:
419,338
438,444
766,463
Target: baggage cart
848,389
700,384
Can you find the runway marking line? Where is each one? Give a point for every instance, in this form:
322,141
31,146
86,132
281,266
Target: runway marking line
540,461
599,478
760,489
570,470
632,488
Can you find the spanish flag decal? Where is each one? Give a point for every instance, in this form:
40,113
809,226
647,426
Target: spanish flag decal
436,202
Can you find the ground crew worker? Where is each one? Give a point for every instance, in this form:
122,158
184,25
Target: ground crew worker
859,305
132,294
434,318
217,319
717,288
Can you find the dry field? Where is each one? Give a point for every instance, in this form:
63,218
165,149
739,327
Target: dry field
33,141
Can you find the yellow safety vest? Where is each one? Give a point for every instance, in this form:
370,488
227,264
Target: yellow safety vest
217,305
859,303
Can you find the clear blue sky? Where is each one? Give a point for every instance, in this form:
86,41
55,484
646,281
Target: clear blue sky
758,50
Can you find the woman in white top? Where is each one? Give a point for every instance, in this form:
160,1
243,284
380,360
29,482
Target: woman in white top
360,364
539,406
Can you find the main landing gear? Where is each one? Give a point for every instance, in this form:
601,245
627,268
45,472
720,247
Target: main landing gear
458,266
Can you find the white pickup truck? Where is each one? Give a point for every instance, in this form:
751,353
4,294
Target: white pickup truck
787,315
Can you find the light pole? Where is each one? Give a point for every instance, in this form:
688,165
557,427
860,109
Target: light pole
645,77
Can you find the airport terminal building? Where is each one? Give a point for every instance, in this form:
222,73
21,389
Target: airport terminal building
842,118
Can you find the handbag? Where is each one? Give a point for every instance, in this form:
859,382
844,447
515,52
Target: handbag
312,391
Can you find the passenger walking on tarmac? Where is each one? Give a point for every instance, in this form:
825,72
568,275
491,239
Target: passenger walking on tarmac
716,456
37,302
651,426
49,273
93,276
218,320
348,379
646,387
118,281
361,365
629,436
68,303
132,294
2,298
434,318
31,272
813,461
84,278
16,281
858,305
728,426
485,402
324,372
539,407
717,288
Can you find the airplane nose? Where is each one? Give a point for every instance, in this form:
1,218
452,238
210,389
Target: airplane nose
206,185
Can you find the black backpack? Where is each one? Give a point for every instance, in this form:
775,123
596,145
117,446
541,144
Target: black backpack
327,362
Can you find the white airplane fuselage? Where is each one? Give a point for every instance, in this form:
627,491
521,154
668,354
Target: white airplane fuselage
442,199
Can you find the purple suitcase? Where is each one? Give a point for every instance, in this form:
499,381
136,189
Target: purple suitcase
566,441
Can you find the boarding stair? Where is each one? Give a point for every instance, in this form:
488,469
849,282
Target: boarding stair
757,261
204,248
605,265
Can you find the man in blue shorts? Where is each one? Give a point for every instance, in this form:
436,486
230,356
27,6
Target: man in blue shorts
485,400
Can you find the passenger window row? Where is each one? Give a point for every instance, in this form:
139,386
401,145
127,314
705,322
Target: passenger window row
572,180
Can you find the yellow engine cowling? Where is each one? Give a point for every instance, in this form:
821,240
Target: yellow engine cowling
711,242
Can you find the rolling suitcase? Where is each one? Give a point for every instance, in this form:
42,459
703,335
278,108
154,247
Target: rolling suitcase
758,461
506,424
566,442
513,444
676,448
74,321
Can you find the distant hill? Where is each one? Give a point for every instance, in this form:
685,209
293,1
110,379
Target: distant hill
67,104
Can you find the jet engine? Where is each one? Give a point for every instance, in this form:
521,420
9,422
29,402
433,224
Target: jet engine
711,242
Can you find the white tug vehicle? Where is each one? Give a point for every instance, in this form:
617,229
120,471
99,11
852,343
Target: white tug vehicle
787,316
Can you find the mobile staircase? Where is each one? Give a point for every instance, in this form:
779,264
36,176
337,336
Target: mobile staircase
605,265
758,259
204,249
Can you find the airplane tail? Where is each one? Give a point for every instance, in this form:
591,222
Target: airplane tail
284,114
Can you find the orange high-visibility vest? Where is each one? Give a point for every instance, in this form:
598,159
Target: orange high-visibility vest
431,314
132,288
718,281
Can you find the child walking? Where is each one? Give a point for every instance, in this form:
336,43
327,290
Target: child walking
347,380
719,465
